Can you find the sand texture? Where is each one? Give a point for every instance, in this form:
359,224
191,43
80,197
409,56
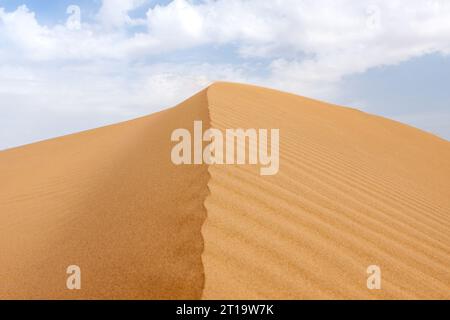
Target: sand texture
353,190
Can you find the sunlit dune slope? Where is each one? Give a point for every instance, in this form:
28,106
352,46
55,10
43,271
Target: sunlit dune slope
353,190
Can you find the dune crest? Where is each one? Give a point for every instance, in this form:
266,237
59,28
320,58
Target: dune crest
353,190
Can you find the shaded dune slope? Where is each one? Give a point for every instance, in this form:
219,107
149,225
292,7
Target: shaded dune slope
110,201
353,190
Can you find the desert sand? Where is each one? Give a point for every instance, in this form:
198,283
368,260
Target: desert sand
353,190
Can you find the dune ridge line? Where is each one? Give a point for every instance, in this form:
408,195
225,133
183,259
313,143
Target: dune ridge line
353,190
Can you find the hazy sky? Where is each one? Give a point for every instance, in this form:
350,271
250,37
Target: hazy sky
67,66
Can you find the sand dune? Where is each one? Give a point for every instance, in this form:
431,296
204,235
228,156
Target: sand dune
352,190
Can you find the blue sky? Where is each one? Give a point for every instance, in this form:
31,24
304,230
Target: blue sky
416,92
61,73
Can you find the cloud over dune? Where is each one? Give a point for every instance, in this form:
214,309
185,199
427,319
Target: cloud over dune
306,47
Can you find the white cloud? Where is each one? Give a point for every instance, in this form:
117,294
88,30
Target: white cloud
114,13
332,32
107,66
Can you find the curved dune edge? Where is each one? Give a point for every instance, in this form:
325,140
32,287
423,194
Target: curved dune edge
353,190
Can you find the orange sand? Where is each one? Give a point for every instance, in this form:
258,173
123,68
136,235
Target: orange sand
353,190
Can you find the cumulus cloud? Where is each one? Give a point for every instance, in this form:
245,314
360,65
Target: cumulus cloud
115,63
260,28
114,13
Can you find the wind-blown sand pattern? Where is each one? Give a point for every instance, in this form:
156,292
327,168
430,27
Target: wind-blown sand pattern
353,190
